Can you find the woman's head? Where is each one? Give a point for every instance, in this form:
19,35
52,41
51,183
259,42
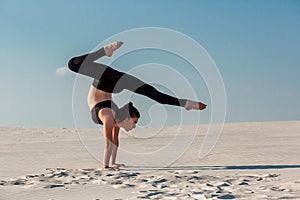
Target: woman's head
127,116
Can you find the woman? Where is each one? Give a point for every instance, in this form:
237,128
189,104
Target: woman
104,111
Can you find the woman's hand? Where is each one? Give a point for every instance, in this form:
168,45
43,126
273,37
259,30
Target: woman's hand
117,165
106,168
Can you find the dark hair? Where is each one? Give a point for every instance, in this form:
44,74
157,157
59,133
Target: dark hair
128,110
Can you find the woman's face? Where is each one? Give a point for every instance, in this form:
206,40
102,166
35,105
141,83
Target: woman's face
129,123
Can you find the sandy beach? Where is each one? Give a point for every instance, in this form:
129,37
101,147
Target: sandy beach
259,160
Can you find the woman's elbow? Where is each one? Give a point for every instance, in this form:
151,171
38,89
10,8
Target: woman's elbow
107,144
116,143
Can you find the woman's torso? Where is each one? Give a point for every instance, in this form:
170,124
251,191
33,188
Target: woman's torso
95,96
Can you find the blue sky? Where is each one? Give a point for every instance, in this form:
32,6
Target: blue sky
255,45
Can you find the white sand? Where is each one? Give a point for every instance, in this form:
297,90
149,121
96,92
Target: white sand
250,161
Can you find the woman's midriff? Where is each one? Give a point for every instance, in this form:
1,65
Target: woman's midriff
95,96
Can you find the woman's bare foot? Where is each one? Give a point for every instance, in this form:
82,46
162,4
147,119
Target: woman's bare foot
110,48
117,165
193,105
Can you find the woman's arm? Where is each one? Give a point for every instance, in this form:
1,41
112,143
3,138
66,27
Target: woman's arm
108,125
115,145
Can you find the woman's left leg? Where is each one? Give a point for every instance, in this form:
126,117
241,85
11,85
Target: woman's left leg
134,84
86,65
138,86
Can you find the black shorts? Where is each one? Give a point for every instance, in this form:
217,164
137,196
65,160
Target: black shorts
99,106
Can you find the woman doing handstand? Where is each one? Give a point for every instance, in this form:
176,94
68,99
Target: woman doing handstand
104,111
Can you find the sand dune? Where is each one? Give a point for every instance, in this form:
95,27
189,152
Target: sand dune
250,161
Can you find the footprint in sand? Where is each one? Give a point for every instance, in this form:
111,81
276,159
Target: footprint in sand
226,196
54,186
159,181
151,193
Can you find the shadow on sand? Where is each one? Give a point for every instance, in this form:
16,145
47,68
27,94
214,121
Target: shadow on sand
234,167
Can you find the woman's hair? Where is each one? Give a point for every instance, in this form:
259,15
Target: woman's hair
128,110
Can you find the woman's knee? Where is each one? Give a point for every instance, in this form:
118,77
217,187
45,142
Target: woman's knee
72,66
